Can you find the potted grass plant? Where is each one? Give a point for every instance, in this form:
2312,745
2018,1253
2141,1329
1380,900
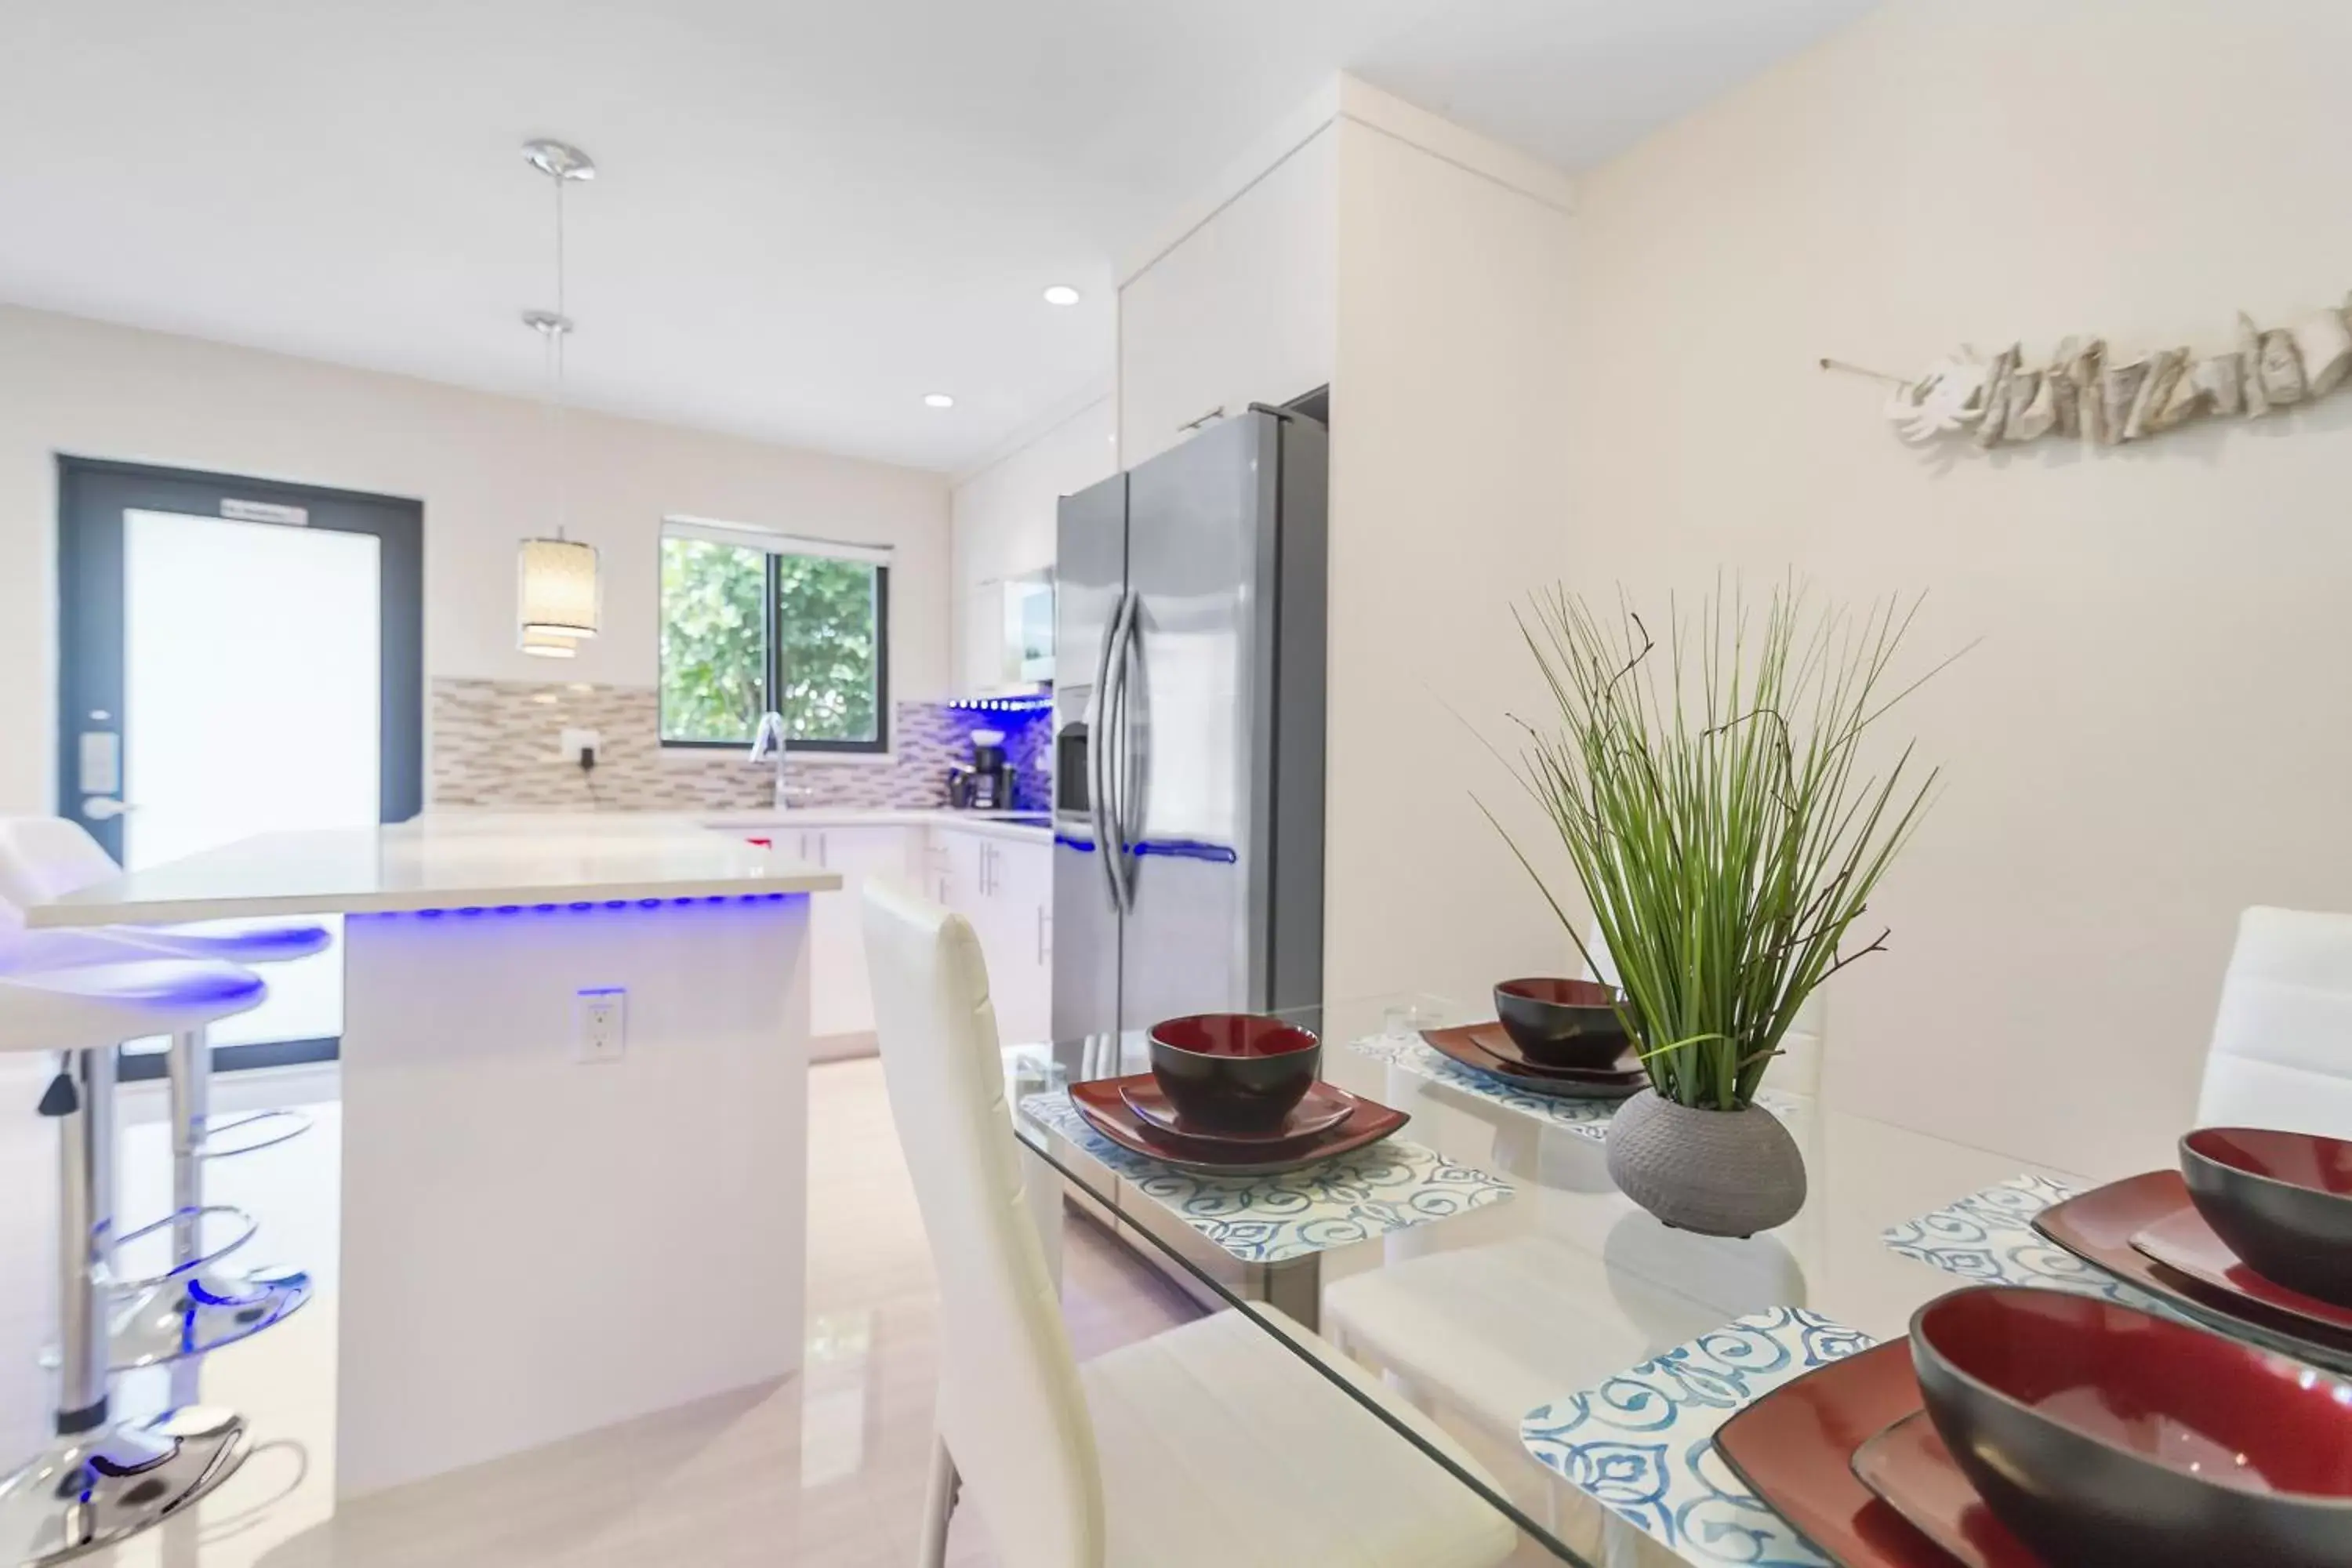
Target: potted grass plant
1726,828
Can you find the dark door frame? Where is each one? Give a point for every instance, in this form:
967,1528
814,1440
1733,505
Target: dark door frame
93,495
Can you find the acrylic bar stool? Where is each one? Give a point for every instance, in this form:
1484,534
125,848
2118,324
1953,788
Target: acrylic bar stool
205,1306
100,1480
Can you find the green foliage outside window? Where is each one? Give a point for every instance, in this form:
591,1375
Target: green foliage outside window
716,672
714,641
826,615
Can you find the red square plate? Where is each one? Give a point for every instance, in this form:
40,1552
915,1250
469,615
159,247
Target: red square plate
2184,1243
2098,1228
1912,1471
1481,1047
1106,1112
1795,1447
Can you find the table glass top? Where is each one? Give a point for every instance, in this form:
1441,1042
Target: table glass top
1479,1305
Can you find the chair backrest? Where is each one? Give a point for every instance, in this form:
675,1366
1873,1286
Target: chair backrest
2281,1050
43,858
1798,1068
1010,1408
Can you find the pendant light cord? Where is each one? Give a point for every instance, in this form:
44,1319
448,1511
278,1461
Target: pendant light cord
556,397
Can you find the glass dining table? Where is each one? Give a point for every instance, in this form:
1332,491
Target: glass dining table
1482,1268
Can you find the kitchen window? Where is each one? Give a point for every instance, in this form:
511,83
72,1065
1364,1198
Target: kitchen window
753,621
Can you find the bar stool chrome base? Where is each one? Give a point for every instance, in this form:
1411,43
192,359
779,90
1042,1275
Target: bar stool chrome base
96,1488
284,1124
196,1314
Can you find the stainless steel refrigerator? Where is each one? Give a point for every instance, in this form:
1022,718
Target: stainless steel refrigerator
1188,712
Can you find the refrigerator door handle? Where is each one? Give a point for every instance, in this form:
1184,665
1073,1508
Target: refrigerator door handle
1098,751
1113,837
1125,813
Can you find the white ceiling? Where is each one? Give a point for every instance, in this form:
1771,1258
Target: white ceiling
807,214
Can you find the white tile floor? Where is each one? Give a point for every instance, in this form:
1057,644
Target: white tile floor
824,1470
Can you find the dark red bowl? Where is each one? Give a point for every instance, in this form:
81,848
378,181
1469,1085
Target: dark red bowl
1238,1072
2101,1434
2282,1200
1562,1023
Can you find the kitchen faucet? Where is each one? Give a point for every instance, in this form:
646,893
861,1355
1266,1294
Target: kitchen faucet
769,740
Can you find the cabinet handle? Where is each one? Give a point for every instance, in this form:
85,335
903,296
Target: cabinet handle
1210,418
825,851
1044,924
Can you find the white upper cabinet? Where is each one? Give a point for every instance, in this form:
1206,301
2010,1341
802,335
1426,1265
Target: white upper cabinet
1241,310
1005,530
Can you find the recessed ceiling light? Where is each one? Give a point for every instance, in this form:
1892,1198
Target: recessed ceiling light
1060,294
937,400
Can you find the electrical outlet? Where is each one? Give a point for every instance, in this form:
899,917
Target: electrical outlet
573,742
601,1032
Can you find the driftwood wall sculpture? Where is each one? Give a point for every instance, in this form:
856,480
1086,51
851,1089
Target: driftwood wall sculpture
2091,395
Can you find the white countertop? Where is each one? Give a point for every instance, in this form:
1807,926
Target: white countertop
1016,824
427,863
770,822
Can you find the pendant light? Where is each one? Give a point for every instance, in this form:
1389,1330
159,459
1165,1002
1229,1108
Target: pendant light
559,595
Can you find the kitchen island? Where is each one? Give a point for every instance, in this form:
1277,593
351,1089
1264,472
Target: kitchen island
547,1227
995,868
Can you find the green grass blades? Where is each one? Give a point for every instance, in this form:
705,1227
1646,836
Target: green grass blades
1708,784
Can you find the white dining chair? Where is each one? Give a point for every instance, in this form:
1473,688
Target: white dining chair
1210,1444
2281,1050
1798,1068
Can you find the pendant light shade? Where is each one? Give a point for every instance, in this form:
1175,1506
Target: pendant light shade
545,645
558,588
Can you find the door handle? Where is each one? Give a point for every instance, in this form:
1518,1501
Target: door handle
1114,722
1121,747
105,807
1098,751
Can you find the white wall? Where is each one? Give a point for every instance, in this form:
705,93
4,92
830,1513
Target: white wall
1425,273
479,463
1449,405
2154,731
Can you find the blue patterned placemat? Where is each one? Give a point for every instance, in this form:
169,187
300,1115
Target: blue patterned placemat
1389,1187
1643,1443
1988,1239
1585,1117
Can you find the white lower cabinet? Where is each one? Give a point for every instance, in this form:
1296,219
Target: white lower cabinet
841,995
1004,887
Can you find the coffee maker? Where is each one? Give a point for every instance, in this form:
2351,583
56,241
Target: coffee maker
985,782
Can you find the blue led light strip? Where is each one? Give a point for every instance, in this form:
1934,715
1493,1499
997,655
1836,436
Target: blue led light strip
1169,849
577,907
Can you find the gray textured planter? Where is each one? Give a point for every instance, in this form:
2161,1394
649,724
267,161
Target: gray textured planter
1721,1173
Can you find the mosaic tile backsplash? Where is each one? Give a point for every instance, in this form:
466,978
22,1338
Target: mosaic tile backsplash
495,744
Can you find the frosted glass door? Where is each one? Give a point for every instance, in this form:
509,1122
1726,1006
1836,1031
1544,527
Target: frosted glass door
251,702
